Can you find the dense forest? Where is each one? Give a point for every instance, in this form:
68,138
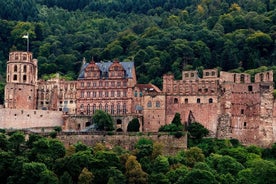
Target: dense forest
160,36
45,160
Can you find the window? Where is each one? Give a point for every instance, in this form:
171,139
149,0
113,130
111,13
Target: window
94,108
118,84
244,124
113,84
15,68
242,111
82,94
100,93
213,73
125,93
106,84
88,94
135,94
112,93
24,68
149,104
81,106
106,94
118,93
106,108
141,93
207,73
124,108
112,109
261,77
118,108
24,78
88,109
210,100
175,101
94,84
192,74
157,104
250,88
82,84
94,93
198,100
186,100
15,77
242,78
100,107
100,83
88,84
125,84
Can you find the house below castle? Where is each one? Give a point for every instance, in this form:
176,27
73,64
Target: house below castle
230,105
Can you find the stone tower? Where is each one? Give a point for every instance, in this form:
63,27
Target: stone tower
21,79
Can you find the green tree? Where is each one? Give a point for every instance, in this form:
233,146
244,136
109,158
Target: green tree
194,155
16,141
197,176
134,172
103,121
85,177
197,131
65,178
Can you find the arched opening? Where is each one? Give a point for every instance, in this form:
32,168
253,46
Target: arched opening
119,130
119,121
15,68
24,78
87,124
175,101
210,100
242,78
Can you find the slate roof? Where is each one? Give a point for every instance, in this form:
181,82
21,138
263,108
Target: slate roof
104,66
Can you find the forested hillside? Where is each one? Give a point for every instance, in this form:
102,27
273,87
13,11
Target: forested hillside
159,35
46,160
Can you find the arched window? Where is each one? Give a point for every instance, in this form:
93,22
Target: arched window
118,108
106,108
149,104
242,78
15,68
157,104
175,101
198,100
112,109
15,77
24,78
24,68
186,100
94,108
124,108
88,109
210,100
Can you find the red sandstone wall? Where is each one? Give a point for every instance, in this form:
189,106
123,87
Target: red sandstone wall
21,119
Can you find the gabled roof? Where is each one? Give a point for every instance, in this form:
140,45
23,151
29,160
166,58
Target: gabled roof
104,66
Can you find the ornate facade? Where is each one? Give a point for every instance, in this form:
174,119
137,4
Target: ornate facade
228,104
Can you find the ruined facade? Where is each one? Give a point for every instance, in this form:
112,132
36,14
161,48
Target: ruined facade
230,105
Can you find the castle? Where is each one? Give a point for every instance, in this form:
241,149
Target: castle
228,104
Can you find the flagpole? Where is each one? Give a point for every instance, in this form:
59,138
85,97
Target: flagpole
28,42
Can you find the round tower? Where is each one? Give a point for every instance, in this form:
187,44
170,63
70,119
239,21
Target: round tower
21,79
